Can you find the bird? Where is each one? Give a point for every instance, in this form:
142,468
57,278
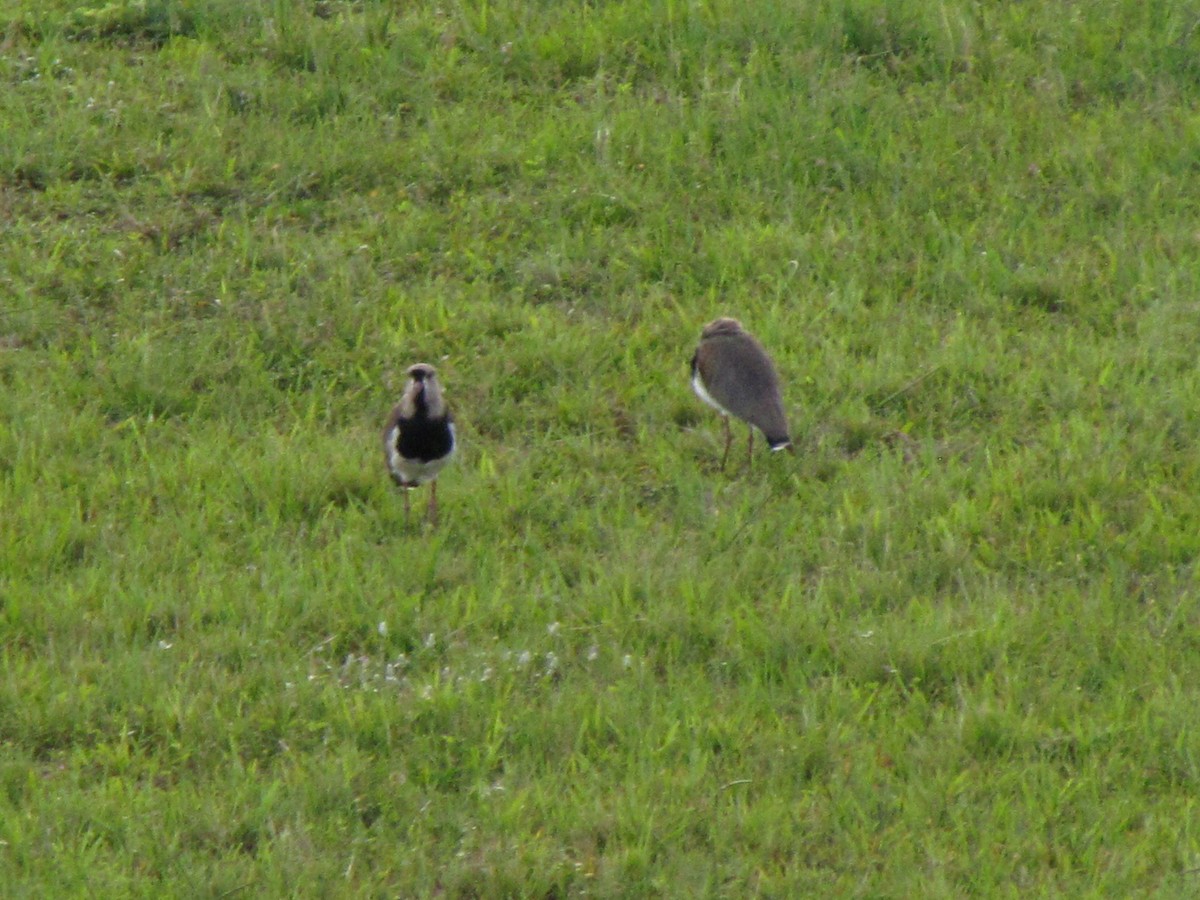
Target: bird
418,439
732,373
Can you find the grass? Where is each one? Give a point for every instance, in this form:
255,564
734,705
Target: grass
948,649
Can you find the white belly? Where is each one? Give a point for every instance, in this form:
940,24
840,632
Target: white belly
698,387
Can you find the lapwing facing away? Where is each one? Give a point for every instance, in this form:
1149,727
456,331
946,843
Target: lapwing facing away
732,373
418,439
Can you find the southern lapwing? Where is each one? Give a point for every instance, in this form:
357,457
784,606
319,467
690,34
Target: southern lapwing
418,439
732,373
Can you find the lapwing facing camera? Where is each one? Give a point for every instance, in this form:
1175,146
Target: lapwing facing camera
418,439
732,373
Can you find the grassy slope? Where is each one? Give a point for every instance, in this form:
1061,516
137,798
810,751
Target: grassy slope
950,648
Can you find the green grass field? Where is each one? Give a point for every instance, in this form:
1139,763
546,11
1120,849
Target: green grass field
951,648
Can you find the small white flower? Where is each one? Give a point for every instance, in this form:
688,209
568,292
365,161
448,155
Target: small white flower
552,629
524,658
382,629
592,653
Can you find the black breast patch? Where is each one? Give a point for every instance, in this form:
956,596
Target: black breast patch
425,439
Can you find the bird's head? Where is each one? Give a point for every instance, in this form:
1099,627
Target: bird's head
421,372
422,390
722,326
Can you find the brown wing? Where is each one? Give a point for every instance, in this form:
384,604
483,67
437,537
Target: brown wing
738,374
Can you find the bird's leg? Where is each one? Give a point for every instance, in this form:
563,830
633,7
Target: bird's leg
404,491
431,512
750,448
728,441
